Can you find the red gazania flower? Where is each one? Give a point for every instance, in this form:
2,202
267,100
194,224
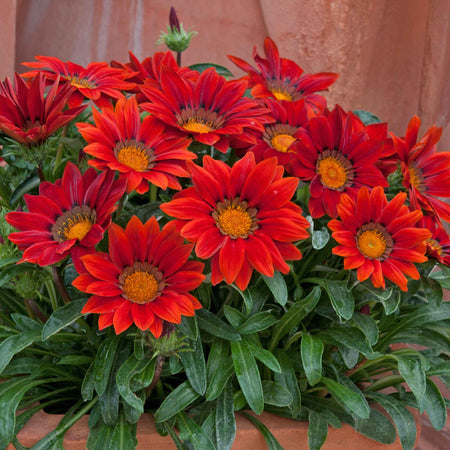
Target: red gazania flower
438,246
240,217
283,79
68,217
145,278
278,137
139,150
426,173
148,70
97,81
379,238
30,117
212,110
337,155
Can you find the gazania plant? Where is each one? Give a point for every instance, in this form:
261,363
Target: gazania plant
199,245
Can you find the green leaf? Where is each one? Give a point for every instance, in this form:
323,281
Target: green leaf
288,379
121,436
432,290
442,276
294,315
11,393
350,337
15,344
62,318
104,361
347,397
217,357
109,401
10,272
25,186
263,355
320,238
413,373
311,351
189,430
367,325
221,70
403,419
391,302
276,394
246,296
271,442
195,366
366,117
426,337
258,322
189,327
377,426
317,430
123,378
212,324
433,403
277,285
248,375
225,420
176,401
75,360
87,387
341,298
235,317
218,379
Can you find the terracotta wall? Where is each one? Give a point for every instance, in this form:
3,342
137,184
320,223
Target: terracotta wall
393,55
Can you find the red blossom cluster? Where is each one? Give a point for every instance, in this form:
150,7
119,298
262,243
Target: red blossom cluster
238,218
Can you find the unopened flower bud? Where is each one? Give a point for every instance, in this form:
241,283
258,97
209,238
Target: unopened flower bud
176,38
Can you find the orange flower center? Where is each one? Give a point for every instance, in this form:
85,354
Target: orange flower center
235,219
372,244
197,126
282,142
140,287
280,94
332,172
134,155
74,224
81,83
415,177
374,241
435,246
141,283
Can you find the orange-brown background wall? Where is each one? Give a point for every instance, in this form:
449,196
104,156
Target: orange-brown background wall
392,55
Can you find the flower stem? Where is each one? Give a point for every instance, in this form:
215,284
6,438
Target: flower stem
59,152
153,193
40,173
60,285
160,360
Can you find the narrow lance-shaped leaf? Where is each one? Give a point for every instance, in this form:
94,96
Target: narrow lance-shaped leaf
248,375
403,419
225,420
15,344
347,397
195,366
317,430
295,314
176,401
311,349
63,317
277,286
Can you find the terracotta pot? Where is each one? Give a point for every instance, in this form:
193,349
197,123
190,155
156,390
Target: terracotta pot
291,434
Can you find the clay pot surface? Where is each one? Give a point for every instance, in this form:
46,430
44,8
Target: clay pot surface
291,434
